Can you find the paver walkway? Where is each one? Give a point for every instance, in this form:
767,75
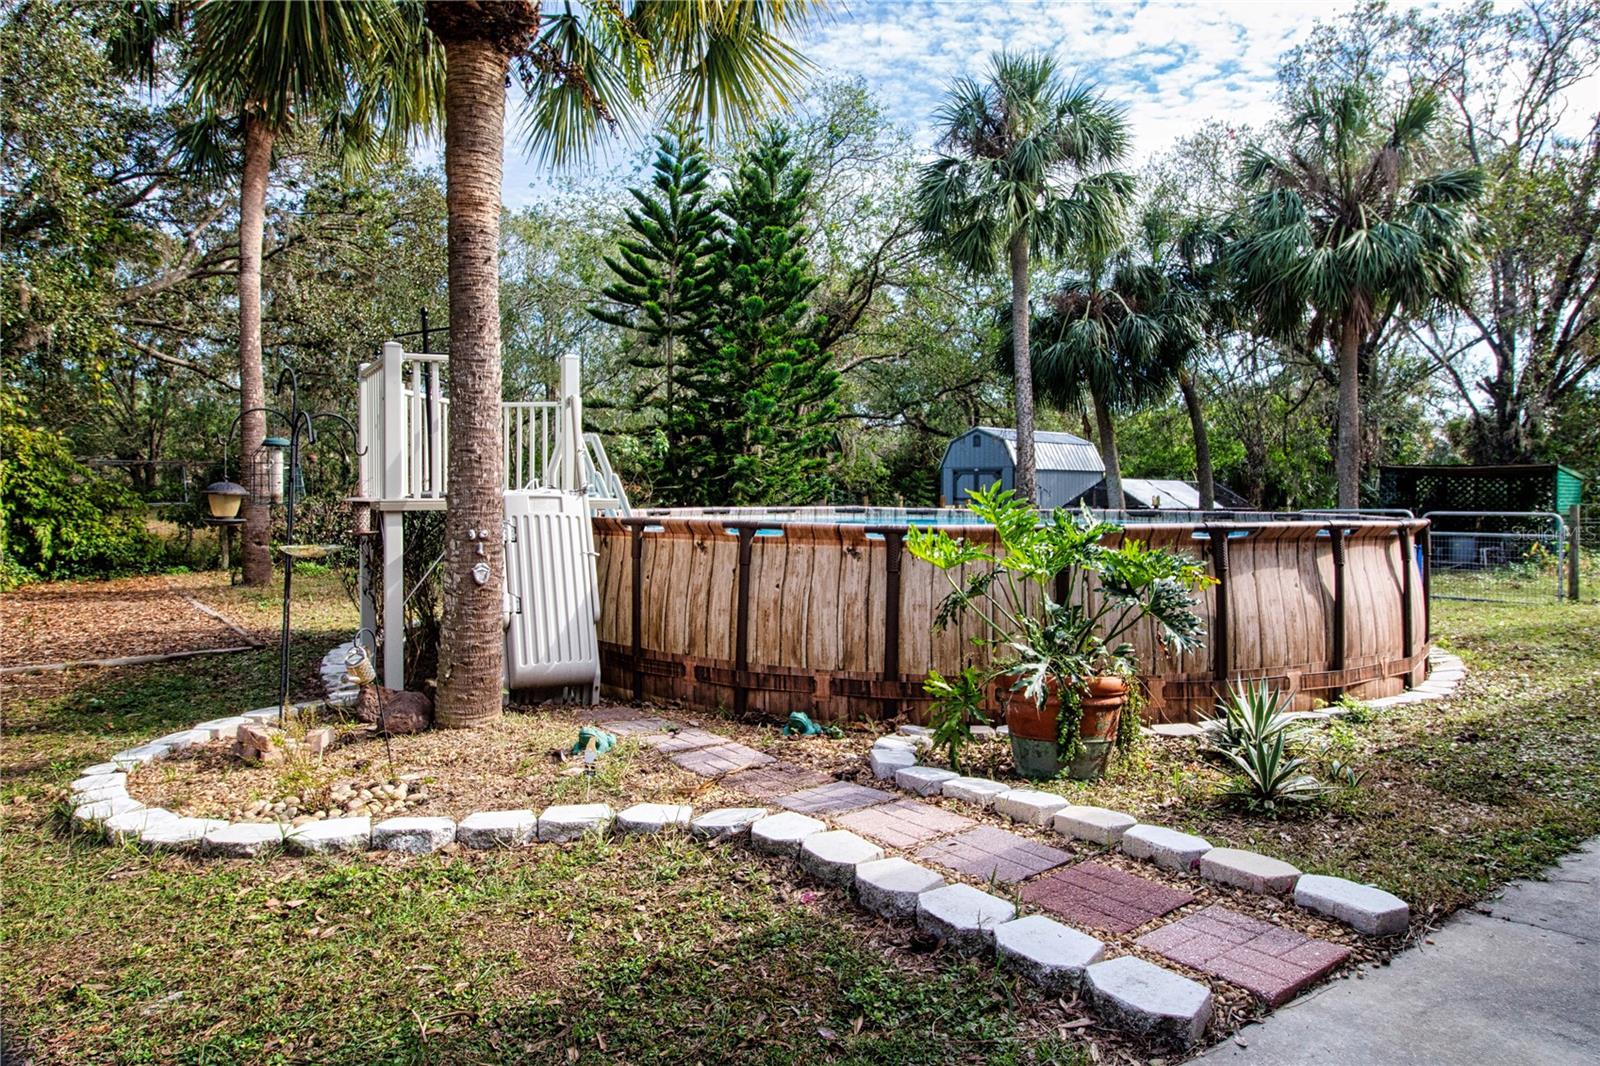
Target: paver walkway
986,852
1273,962
1104,897
1516,981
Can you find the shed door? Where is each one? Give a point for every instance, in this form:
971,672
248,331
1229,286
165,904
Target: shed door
968,481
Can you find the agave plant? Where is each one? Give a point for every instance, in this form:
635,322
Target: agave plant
1251,716
1267,775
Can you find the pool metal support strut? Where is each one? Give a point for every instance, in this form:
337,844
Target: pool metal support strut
741,633
1408,641
1218,543
893,541
636,534
1336,538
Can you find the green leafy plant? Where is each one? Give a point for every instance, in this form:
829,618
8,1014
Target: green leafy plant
957,707
1268,776
1251,715
1044,647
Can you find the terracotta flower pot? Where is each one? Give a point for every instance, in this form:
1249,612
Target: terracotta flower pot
1035,729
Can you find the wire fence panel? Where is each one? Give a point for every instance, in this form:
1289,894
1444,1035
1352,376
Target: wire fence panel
1498,556
1589,555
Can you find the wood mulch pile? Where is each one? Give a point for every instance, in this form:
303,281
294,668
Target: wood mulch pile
86,620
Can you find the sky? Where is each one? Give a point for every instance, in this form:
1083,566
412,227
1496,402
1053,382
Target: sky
1172,65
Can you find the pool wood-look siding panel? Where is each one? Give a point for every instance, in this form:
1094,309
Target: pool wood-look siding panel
817,630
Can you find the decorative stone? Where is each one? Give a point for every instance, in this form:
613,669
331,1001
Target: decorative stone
100,810
1181,730
1167,848
179,834
100,769
263,714
413,836
571,821
1097,825
782,834
977,790
1364,908
984,732
331,835
97,795
184,738
914,731
832,856
318,741
886,762
897,742
244,840
1049,954
121,828
654,817
144,753
965,917
222,728
1028,806
96,782
728,823
1155,1003
923,780
497,829
889,887
1247,870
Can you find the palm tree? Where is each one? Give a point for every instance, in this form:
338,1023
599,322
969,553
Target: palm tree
1113,348
1348,230
1025,175
257,69
586,71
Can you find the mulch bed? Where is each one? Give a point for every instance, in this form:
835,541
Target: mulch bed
86,620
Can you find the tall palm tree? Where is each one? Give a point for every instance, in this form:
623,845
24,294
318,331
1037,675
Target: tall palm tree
1113,345
1347,230
1026,175
361,70
586,70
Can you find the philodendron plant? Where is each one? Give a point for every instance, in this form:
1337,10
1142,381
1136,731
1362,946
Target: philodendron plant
1056,647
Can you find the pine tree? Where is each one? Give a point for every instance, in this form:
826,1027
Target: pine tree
665,273
760,397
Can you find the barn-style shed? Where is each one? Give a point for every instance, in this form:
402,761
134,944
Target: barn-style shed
1067,466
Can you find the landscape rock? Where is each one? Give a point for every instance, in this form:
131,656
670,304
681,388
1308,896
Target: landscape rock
570,821
498,829
331,835
98,811
243,840
923,780
965,917
100,769
144,753
899,742
184,738
782,834
1167,848
914,731
120,828
1154,1003
223,728
1097,825
654,817
1051,955
889,887
318,741
833,855
977,790
97,795
1364,908
413,836
180,834
95,782
1028,806
726,823
1247,870
886,762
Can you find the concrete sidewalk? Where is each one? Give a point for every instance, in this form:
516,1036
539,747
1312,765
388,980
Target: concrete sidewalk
1520,984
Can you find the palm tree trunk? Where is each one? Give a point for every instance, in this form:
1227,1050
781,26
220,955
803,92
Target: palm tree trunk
1022,368
472,645
256,549
1347,451
1108,454
1202,441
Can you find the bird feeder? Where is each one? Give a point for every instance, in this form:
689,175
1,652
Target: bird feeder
223,501
269,466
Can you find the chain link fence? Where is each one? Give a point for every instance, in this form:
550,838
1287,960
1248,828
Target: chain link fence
1498,556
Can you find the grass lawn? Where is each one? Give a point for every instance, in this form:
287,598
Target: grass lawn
656,950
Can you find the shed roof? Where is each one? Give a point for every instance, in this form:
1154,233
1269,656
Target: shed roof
1052,451
1178,495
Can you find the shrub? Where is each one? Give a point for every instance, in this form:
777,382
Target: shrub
1255,737
62,519
957,707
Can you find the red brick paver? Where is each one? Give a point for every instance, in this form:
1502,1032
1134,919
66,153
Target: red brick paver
1103,897
833,798
1273,962
628,727
987,852
774,779
904,823
719,759
683,740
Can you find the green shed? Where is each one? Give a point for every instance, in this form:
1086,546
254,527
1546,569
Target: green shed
1521,487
